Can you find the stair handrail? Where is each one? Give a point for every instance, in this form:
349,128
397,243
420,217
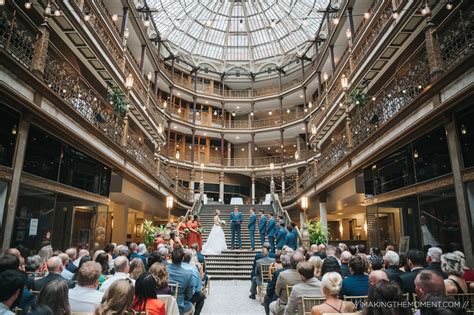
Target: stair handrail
279,210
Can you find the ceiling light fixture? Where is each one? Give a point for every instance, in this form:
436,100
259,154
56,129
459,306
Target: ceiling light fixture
115,17
310,104
449,5
233,114
366,15
270,113
146,23
335,21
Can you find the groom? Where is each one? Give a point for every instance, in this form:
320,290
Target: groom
235,224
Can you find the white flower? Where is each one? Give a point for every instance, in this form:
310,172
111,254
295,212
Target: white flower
223,222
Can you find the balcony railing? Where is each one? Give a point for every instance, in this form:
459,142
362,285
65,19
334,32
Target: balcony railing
66,82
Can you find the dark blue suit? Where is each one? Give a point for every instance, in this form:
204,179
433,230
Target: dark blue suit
251,227
262,228
291,240
280,238
184,279
235,223
271,230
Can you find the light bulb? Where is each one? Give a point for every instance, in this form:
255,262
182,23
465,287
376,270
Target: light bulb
449,6
335,21
270,113
366,15
28,5
146,23
395,15
87,17
57,13
115,17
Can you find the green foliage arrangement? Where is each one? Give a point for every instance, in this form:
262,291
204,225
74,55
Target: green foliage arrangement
150,231
358,96
116,98
318,234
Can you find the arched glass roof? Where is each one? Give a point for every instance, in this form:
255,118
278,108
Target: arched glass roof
231,33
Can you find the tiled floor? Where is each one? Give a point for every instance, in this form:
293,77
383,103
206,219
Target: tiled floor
231,297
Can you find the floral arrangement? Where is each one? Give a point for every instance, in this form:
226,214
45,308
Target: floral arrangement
186,230
201,230
223,222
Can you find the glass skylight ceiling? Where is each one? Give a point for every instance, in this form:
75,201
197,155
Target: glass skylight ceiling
233,33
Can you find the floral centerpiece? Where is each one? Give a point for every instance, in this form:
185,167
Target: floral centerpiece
223,222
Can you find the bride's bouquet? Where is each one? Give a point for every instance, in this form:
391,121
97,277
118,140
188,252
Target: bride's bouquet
201,230
223,222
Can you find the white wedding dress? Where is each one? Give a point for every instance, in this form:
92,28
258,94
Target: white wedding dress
215,243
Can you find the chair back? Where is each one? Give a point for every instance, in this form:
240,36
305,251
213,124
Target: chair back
171,305
308,303
271,271
174,289
288,290
465,299
264,271
357,300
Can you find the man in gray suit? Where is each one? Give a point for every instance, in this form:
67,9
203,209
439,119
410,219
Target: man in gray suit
289,277
257,279
311,286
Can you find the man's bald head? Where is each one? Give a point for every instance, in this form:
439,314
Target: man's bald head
314,248
55,264
296,258
377,275
64,259
121,264
429,282
13,251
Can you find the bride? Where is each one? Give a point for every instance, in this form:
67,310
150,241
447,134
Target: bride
215,243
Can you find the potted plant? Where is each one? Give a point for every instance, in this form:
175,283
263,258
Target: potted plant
318,234
150,231
116,98
358,96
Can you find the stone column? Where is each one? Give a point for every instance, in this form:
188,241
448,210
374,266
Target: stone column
193,145
155,85
252,147
38,60
142,59
157,159
351,23
283,174
297,183
250,153
168,139
333,61
433,50
222,149
12,201
252,177
124,26
192,178
252,114
223,115
323,216
460,190
120,222
348,127
229,154
125,130
298,144
282,144
221,186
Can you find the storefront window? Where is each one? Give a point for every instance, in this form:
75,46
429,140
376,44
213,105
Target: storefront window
81,171
393,172
439,220
431,155
34,218
465,127
9,122
43,154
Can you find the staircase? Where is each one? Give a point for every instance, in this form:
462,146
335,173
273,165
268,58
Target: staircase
231,264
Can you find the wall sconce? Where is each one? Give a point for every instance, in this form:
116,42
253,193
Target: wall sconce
129,81
344,82
304,203
169,202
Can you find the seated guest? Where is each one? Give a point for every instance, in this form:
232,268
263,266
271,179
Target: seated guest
153,258
85,297
72,255
66,274
33,264
406,281
288,277
345,256
121,272
429,282
109,249
117,299
260,255
103,260
321,253
468,272
82,253
145,296
331,251
12,283
257,278
198,297
55,267
433,259
136,268
403,266
361,250
310,287
161,275
357,284
11,262
164,252
183,278
392,261
377,275
330,264
46,252
353,250
452,265
124,251
386,292
38,310
55,294
134,253
277,263
317,264
441,305
331,284
84,259
291,238
143,252
270,295
375,259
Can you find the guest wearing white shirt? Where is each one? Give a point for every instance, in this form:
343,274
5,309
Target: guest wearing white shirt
65,273
82,253
85,297
122,267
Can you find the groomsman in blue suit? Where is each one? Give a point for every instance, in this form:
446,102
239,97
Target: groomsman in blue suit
251,227
235,225
280,236
271,230
262,226
291,238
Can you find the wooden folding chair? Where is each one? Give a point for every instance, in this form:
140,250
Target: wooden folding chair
174,289
357,300
308,302
264,279
465,299
288,291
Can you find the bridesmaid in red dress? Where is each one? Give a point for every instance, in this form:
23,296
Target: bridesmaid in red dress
192,234
199,226
181,227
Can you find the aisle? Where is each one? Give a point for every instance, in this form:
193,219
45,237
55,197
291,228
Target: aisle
231,297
